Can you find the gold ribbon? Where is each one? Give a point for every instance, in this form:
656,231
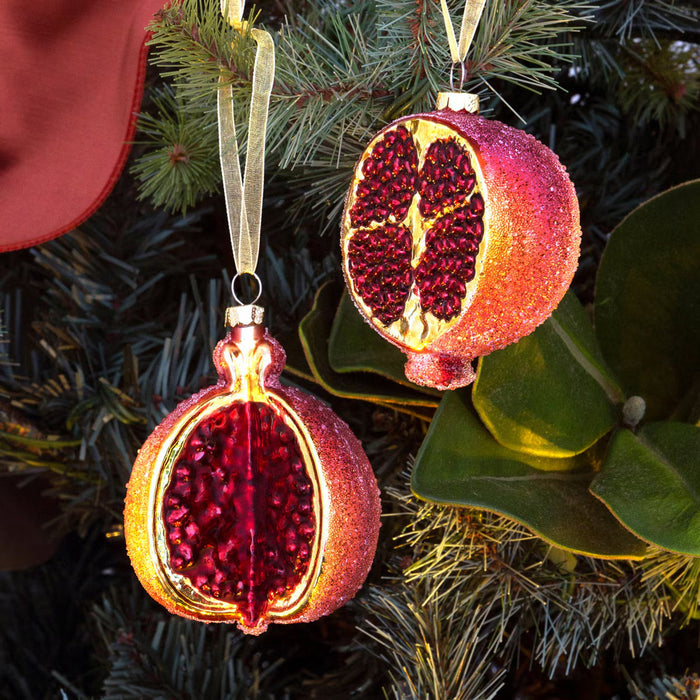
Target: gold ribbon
243,195
232,10
470,20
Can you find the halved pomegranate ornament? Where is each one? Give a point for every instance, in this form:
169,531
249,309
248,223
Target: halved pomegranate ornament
460,235
251,502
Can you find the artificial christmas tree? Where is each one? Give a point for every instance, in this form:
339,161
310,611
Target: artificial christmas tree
107,328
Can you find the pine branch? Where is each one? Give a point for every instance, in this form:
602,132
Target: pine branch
643,18
344,72
148,653
181,164
44,637
100,369
680,576
464,575
526,43
435,651
152,654
193,44
667,687
84,396
341,74
661,82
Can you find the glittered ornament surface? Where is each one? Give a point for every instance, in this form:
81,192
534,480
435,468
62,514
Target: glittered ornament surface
460,235
251,503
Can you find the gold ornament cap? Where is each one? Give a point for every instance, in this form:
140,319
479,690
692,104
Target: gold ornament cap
245,315
458,101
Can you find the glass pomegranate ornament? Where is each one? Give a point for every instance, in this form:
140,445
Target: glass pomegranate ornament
460,235
251,503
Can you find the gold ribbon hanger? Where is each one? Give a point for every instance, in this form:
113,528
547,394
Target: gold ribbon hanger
244,195
473,10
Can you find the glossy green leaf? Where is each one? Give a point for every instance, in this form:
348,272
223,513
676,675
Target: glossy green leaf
550,394
314,332
460,463
355,347
647,306
651,482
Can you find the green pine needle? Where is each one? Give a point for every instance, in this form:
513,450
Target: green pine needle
679,574
182,161
465,575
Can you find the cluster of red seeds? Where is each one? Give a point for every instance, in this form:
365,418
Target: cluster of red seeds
449,261
380,263
389,181
446,178
238,511
379,258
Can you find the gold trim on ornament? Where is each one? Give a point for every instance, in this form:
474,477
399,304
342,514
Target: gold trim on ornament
458,101
246,315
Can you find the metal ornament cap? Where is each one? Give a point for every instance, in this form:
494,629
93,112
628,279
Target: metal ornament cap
458,101
244,315
346,506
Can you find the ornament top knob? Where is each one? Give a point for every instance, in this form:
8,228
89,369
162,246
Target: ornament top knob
245,321
244,315
457,101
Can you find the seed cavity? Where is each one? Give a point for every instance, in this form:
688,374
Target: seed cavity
449,261
446,179
238,511
380,264
389,182
417,231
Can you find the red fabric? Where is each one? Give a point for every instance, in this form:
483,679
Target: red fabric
71,78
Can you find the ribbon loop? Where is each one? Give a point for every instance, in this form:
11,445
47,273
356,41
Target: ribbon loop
243,195
473,10
232,10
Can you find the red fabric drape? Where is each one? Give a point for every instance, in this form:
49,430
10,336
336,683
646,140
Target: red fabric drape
71,79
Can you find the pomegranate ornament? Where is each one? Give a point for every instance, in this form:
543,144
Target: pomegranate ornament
460,235
251,503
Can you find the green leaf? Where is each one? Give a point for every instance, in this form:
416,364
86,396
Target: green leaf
651,482
550,393
314,331
460,463
355,347
647,306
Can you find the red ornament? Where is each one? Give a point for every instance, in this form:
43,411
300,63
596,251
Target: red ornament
251,502
460,235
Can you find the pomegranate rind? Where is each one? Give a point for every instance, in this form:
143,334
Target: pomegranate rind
529,254
350,504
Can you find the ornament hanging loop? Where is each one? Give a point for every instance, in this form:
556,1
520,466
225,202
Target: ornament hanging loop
473,10
462,76
243,193
258,284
